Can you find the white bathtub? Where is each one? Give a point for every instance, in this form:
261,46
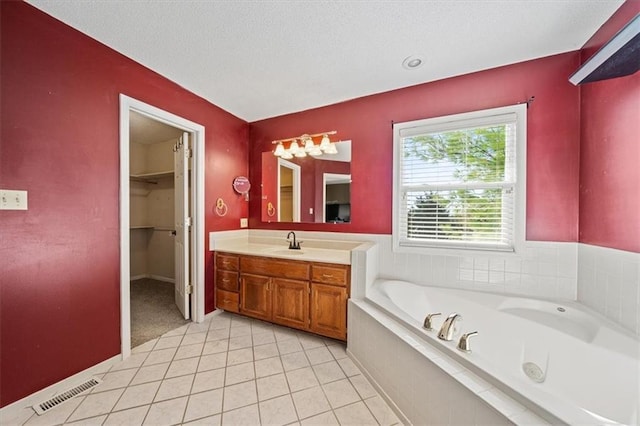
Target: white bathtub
591,367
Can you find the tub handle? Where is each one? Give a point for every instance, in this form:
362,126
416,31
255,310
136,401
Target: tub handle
428,321
464,344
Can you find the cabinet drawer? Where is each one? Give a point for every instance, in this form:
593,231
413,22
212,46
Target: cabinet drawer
274,267
227,300
226,262
330,274
226,280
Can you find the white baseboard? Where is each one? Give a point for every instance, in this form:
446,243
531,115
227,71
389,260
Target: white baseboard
161,278
20,411
153,277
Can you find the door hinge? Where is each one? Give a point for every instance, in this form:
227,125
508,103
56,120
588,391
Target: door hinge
187,221
189,289
188,153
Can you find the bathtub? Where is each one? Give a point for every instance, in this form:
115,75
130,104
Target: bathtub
586,369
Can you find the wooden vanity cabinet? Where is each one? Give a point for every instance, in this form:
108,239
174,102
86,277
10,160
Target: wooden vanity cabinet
227,282
303,295
329,295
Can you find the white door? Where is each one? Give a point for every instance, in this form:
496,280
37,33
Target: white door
182,224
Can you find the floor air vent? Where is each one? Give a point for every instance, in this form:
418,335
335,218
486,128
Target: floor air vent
47,405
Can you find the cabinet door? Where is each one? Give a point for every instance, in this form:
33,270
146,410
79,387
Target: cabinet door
291,303
255,297
329,310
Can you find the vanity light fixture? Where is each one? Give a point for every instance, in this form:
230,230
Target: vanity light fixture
306,147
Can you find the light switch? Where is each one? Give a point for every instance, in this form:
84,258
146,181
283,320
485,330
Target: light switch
13,200
244,222
310,210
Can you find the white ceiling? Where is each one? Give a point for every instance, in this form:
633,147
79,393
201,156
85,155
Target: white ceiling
263,58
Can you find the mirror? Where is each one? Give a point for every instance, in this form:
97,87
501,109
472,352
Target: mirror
308,189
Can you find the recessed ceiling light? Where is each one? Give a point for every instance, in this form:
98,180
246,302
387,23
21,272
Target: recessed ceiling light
412,62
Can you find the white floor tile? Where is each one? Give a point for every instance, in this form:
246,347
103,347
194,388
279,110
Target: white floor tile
239,373
168,342
137,395
338,351
294,361
289,346
355,414
309,341
283,334
182,367
175,387
166,412
54,416
248,416
363,387
115,380
203,404
265,351
324,419
240,395
150,373
272,386
130,417
215,347
222,334
193,338
145,347
206,421
93,421
301,378
134,361
208,380
310,402
328,372
263,338
268,367
189,351
319,355
244,330
96,404
381,411
160,356
348,367
212,362
278,411
240,342
239,356
340,393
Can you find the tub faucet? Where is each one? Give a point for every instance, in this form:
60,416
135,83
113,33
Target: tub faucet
293,245
428,321
448,327
464,344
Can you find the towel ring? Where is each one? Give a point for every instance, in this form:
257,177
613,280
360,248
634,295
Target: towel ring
270,209
221,207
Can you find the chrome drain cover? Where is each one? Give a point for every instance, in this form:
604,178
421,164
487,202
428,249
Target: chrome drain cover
533,372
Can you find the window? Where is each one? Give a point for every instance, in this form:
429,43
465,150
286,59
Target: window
459,180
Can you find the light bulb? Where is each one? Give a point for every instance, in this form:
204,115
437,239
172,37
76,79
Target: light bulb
300,153
324,144
287,155
293,148
315,151
308,145
331,149
279,150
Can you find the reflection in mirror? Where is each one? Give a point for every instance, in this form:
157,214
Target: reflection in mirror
309,189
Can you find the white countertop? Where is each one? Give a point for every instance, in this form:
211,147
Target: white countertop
311,251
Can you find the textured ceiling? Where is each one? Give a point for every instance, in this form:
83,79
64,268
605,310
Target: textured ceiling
260,59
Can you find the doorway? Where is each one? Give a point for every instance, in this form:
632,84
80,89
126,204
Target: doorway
288,191
189,270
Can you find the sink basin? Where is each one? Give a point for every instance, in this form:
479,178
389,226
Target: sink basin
286,252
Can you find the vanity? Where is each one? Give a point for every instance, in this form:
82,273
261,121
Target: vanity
305,289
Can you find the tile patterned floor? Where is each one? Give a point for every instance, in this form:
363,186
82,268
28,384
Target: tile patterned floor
229,370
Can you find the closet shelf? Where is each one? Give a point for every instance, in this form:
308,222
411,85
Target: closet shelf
154,228
141,227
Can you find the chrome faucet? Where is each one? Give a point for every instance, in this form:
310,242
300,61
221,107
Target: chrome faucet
428,321
464,345
293,245
448,327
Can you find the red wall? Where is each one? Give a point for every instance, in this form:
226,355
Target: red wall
610,150
552,154
60,286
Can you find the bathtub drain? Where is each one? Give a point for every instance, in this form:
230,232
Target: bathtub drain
533,372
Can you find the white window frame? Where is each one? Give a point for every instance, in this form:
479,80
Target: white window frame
452,122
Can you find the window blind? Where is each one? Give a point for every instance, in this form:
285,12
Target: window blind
457,182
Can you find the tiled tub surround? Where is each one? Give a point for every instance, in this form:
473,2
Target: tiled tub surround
514,331
609,283
228,370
